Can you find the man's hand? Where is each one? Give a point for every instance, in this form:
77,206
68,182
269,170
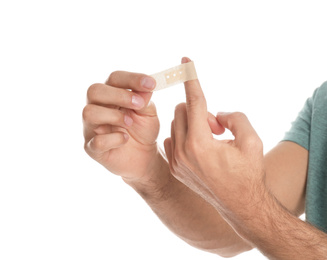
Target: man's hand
121,124
121,135
230,175
226,173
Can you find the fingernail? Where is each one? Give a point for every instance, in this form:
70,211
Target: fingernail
185,60
128,120
126,136
137,101
222,113
148,83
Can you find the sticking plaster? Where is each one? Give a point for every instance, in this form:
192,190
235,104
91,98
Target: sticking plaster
175,75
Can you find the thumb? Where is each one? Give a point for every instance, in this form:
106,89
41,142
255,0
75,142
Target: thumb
239,125
149,108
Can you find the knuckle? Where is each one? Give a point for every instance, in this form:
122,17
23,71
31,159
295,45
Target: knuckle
254,142
97,143
87,113
259,144
113,77
238,116
117,117
235,117
191,146
93,91
86,147
193,100
180,107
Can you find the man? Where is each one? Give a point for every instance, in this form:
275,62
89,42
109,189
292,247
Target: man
224,197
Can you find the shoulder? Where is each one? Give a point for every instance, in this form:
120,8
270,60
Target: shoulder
324,86
319,97
321,92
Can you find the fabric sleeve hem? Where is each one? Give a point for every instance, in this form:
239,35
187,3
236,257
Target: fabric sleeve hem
298,141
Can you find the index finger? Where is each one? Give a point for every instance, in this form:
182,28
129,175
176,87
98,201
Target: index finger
196,104
130,80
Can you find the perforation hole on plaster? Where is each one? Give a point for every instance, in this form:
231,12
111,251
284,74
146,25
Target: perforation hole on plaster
175,75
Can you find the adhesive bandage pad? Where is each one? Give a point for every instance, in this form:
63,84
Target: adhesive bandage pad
175,75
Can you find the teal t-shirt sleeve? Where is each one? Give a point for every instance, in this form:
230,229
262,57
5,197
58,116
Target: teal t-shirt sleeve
310,131
301,127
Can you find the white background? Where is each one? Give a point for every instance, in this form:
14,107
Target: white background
260,57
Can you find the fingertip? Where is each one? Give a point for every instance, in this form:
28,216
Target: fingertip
220,130
148,83
222,117
215,126
185,60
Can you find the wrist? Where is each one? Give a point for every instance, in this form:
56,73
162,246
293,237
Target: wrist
246,207
153,182
255,221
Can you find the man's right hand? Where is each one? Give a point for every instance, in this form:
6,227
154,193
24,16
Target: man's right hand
121,124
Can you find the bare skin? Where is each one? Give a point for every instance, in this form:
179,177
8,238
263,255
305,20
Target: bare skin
118,130
231,176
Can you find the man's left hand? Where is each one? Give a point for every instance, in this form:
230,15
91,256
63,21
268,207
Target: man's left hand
227,173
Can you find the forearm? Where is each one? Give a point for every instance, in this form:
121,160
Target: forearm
278,234
186,214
